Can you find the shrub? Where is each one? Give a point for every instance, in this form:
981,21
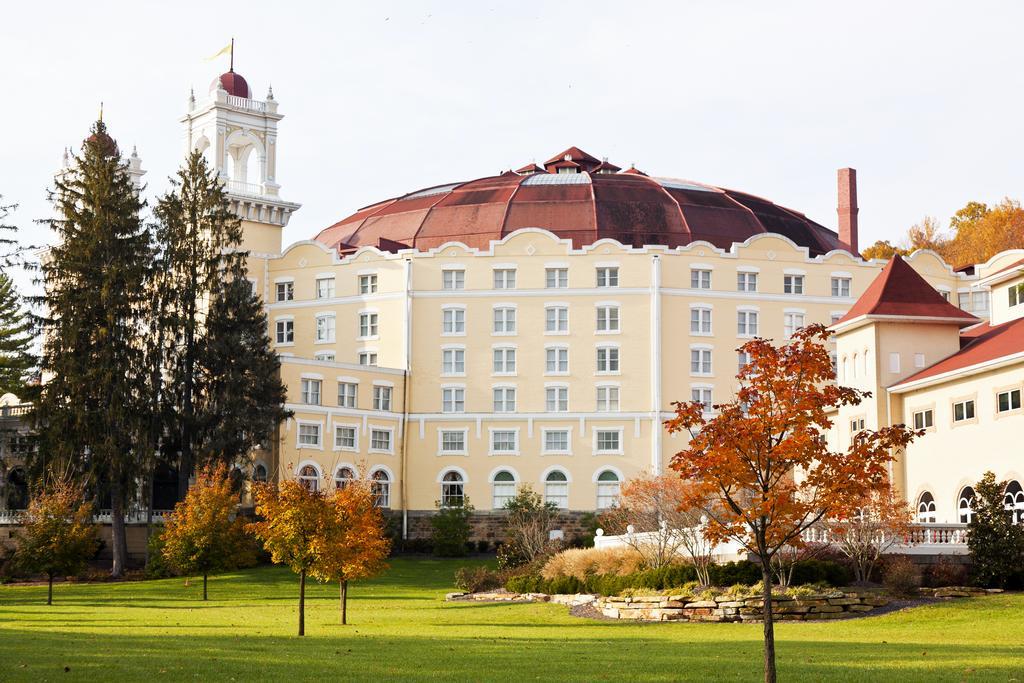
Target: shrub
510,556
946,572
583,562
995,541
418,545
476,579
157,566
745,572
816,571
483,546
451,529
902,577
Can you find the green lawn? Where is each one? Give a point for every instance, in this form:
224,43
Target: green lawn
401,628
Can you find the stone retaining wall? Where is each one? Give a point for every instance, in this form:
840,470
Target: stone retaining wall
723,608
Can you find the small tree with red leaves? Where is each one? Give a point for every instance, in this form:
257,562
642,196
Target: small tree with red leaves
761,467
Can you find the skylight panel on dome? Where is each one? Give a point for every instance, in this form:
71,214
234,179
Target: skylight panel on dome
440,189
676,184
558,179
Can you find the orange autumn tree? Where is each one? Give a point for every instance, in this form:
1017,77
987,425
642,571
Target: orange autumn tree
357,543
204,535
293,528
761,468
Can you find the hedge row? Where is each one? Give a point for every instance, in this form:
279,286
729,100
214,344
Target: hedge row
675,575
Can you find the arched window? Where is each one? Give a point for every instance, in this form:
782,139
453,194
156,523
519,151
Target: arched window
556,489
926,508
309,477
855,359
965,505
259,473
17,489
503,489
380,486
608,485
343,477
452,490
1013,501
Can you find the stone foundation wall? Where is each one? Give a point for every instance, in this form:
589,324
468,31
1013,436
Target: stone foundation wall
488,525
135,535
834,605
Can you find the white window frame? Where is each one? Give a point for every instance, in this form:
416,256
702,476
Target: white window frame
299,424
454,401
450,314
383,394
491,431
329,282
391,439
450,368
504,350
352,382
704,352
544,431
621,450
792,321
504,277
330,323
559,315
288,330
369,354
609,351
793,283
504,319
607,398
608,318
746,314
1009,394
559,390
355,436
285,285
368,283
746,281
464,433
557,274
841,284
509,489
700,277
455,276
701,319
503,390
561,352
927,420
369,322
306,386
607,276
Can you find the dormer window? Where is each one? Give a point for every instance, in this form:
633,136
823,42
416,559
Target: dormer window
1016,293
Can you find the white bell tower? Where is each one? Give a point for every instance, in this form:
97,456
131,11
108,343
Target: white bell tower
238,134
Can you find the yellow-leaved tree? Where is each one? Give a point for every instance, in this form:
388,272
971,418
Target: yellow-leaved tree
357,543
293,527
204,535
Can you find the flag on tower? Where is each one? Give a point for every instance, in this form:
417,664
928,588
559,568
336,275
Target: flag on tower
226,50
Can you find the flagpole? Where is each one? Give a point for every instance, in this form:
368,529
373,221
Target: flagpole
232,67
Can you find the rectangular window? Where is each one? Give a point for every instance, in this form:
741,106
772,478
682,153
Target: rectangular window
608,440
700,361
325,328
793,284
453,361
504,361
607,399
742,360
311,391
504,278
918,360
504,321
556,319
1016,293
702,395
504,441
325,288
453,321
324,355
556,441
380,440
856,427
368,358
923,419
347,394
700,279
453,441
964,410
556,361
453,279
557,399
746,323
345,437
746,282
607,318
1008,400
382,398
700,321
285,291
309,435
504,399
608,359
367,284
894,362
841,286
963,300
556,278
367,324
285,331
607,277
453,400
791,322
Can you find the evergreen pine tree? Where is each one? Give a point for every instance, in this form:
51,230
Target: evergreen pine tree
241,393
92,412
198,237
16,358
994,537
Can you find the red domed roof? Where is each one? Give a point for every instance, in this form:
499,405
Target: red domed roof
575,201
233,83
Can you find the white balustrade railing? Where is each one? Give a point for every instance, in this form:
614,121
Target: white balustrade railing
247,104
137,516
240,187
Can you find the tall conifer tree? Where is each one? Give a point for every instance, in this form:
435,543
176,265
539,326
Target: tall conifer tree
198,237
16,359
93,409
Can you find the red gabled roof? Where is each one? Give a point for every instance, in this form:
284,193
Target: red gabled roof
529,168
633,170
606,166
990,343
575,154
899,291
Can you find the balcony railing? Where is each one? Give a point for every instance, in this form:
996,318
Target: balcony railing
247,104
239,187
103,517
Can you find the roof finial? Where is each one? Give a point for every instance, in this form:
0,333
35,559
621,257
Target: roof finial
270,92
231,68
101,112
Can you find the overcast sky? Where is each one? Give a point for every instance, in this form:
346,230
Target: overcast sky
382,98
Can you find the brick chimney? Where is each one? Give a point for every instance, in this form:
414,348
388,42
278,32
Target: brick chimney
847,208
